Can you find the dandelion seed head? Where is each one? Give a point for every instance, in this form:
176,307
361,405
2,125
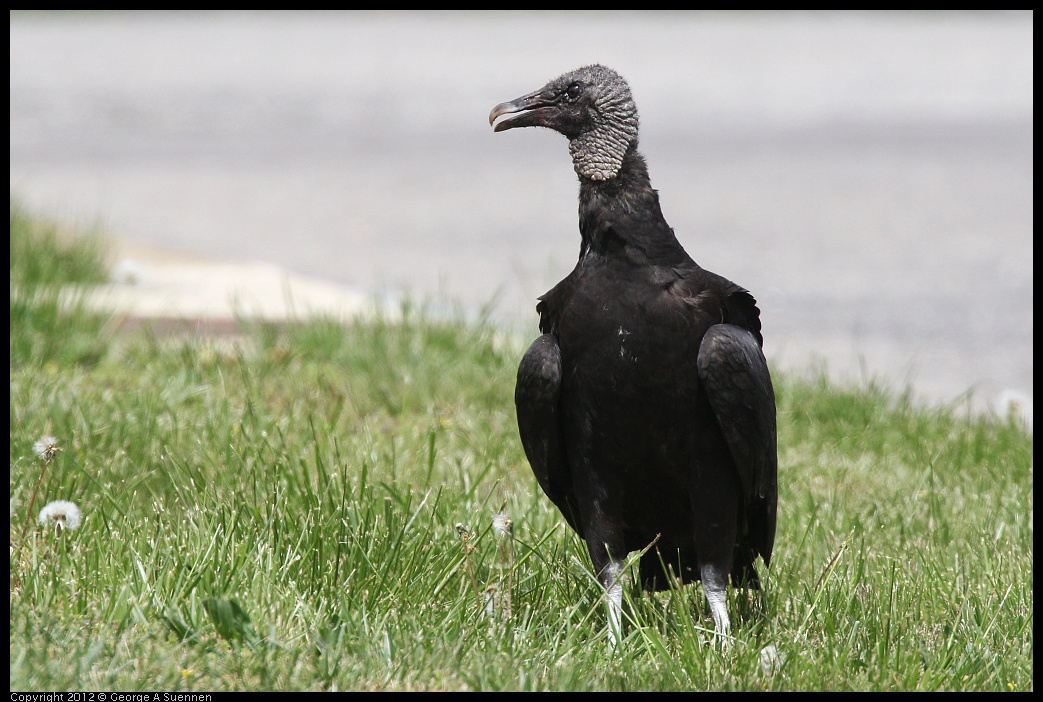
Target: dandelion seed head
503,526
771,659
61,513
46,448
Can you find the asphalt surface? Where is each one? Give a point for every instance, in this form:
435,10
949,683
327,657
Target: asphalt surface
868,176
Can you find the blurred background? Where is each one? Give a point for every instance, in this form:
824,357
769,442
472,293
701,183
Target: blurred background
868,176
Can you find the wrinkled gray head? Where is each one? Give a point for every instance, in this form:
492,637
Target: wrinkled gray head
592,106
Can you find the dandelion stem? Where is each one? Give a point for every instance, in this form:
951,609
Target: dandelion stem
510,573
504,527
46,448
465,537
32,501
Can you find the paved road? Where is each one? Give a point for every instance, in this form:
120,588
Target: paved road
867,176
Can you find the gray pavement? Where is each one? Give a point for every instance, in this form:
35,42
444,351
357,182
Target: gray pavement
867,176
149,284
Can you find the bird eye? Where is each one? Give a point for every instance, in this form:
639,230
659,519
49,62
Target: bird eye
574,91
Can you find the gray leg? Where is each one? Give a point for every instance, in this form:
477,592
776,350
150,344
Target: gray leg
715,584
611,579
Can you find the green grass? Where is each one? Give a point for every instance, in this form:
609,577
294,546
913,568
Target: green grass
44,258
279,512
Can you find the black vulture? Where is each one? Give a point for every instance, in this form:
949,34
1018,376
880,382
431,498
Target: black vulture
645,409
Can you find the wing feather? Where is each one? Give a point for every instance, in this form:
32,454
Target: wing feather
537,400
735,376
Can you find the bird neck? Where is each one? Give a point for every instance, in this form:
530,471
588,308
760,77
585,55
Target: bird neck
622,215
629,189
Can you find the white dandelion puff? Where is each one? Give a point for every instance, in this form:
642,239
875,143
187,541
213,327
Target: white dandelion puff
503,526
771,659
46,448
61,513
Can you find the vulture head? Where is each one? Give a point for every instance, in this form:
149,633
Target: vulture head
592,107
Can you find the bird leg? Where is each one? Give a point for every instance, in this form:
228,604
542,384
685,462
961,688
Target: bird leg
715,585
612,580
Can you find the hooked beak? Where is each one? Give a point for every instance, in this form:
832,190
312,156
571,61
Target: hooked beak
533,108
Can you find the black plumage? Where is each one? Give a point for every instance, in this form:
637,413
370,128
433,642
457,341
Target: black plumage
645,408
